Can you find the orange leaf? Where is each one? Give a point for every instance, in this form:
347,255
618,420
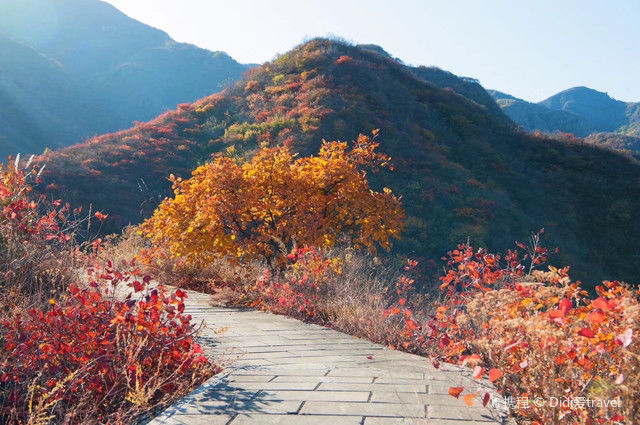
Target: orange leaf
556,314
495,374
468,399
600,303
411,325
595,317
455,391
472,359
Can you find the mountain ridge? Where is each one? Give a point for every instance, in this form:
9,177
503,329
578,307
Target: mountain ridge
462,170
122,70
580,110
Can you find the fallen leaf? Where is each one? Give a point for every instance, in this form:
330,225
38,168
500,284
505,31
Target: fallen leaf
455,391
468,399
485,399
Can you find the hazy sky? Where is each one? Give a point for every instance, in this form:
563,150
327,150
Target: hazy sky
531,49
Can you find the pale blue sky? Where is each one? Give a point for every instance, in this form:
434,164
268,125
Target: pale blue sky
531,49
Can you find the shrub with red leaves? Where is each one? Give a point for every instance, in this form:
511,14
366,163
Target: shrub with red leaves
535,335
299,290
94,356
73,349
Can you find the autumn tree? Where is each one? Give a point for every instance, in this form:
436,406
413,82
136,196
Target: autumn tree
265,207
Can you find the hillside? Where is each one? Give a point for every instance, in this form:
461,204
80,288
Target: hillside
123,70
616,141
467,87
580,110
40,102
462,170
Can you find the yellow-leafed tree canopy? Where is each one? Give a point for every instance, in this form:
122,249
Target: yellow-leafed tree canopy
266,206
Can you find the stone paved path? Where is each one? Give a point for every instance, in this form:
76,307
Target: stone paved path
282,371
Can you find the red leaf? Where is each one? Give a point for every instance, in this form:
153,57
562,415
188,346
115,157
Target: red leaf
600,303
495,374
565,306
587,333
485,399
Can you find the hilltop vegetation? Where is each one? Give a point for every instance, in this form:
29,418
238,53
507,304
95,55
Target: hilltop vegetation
72,69
462,169
616,141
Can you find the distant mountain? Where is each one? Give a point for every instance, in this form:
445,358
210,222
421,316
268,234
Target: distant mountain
580,110
120,69
533,116
463,170
40,102
604,112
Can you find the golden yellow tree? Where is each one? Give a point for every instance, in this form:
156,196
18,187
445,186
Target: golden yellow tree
264,207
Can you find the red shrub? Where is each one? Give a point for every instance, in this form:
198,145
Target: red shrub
537,336
344,59
92,356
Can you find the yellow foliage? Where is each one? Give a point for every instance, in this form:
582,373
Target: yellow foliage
265,207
